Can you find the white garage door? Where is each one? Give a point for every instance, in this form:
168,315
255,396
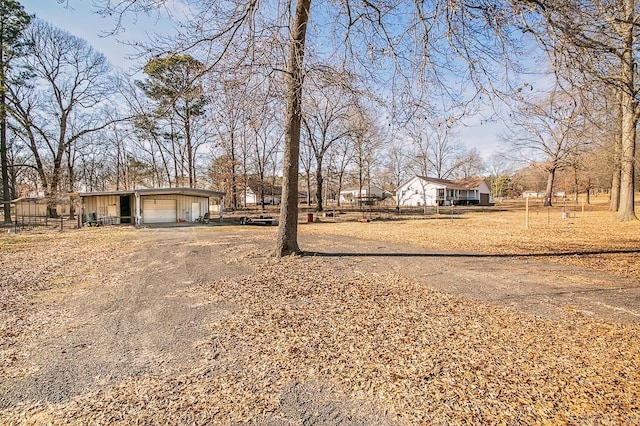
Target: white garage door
159,211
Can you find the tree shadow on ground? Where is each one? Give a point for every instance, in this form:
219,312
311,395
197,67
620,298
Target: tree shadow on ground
482,255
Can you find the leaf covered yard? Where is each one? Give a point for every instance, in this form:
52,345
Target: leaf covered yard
318,340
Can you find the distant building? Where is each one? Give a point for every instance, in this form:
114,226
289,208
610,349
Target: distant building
542,194
426,191
369,194
256,191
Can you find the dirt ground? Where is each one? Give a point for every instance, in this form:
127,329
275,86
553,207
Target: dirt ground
140,310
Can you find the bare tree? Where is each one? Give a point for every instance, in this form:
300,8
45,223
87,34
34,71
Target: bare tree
445,149
306,164
342,156
468,164
420,144
549,129
287,240
325,117
148,148
67,99
366,140
267,139
436,148
231,121
599,40
396,167
500,170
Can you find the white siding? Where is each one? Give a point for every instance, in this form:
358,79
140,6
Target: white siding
352,195
417,192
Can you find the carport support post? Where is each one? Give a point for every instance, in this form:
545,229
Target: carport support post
137,208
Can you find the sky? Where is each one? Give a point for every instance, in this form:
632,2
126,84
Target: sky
79,18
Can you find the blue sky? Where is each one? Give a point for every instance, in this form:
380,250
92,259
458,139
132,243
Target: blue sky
80,19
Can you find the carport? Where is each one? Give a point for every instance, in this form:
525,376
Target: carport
152,205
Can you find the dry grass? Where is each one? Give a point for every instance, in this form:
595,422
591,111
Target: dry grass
373,340
594,231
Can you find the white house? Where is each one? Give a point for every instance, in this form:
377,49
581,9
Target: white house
255,191
354,196
426,191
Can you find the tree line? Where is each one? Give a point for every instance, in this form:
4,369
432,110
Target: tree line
319,98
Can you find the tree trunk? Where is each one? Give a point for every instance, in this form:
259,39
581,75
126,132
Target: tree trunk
340,178
234,183
549,191
6,193
287,240
189,147
72,181
614,195
576,183
319,183
626,210
6,196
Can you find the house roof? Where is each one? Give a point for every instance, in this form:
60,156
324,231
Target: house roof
472,183
158,191
364,188
267,187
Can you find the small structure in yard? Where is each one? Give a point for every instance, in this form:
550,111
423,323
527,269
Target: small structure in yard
148,206
32,211
426,191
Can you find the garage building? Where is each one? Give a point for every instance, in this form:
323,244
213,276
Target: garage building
148,206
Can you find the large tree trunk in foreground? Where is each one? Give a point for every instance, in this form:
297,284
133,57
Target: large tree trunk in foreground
626,211
287,241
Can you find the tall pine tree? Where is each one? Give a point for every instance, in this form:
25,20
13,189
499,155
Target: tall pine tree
13,21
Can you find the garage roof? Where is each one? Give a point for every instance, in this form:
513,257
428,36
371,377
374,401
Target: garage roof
159,191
